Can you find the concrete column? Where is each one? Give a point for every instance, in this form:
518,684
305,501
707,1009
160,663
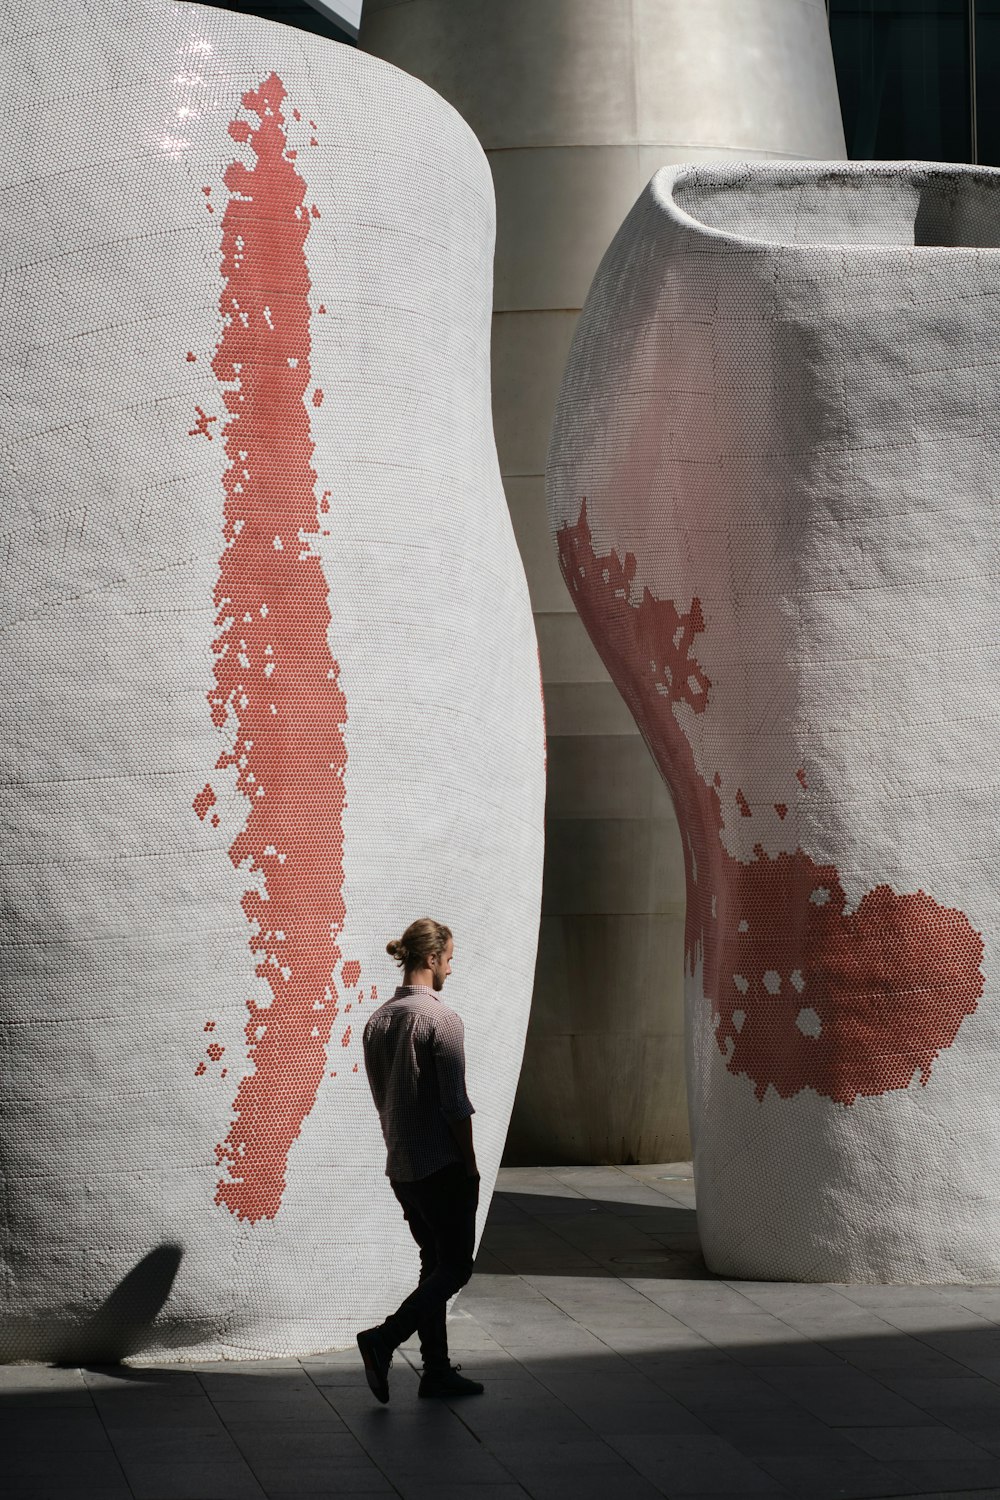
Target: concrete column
577,103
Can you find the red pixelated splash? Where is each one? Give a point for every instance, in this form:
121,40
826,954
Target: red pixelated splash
203,425
351,973
277,692
804,994
204,802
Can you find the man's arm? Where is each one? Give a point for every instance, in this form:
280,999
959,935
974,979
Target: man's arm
456,1106
462,1131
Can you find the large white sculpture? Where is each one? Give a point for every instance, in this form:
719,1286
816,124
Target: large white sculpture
773,481
270,683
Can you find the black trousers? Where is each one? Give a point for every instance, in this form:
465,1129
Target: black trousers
441,1213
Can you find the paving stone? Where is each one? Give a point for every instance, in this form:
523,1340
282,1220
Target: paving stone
847,1399
191,1480
276,1443
375,1487
934,1394
174,1445
78,1430
784,1435
14,1399
931,1474
119,1409
420,1489
278,1419
901,1354
25,1380
42,1489
626,1417
775,1494
312,1410
272,1388
822,1478
616,1481
693,1463
590,1461
146,1381
54,1464
308,1477
914,1443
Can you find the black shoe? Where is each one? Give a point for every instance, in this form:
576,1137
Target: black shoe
377,1360
448,1382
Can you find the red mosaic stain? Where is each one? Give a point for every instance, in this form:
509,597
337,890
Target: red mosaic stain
215,1051
781,808
202,425
351,973
743,804
804,993
801,778
204,801
277,691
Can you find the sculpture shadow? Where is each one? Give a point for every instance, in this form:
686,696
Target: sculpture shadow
551,1235
121,1325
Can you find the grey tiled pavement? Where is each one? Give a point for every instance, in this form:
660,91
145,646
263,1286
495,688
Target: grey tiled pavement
616,1369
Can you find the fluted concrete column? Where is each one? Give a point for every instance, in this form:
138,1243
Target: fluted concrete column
577,103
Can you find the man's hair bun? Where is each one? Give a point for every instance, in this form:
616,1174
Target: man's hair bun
423,940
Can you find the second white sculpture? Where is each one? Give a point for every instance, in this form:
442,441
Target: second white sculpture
773,483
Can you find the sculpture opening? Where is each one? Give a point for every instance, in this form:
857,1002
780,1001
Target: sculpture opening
928,205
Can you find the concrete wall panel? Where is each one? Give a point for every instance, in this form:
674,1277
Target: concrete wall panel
578,103
550,250
755,76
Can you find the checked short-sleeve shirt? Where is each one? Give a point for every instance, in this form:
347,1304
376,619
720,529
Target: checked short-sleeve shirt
414,1048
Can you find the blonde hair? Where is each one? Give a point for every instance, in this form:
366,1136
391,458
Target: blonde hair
423,939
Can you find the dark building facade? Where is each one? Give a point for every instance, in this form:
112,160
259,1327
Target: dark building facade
919,78
319,16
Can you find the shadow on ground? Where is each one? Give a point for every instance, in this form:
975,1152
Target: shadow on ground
614,1380
537,1233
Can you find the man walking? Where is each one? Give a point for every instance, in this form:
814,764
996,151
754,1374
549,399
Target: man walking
415,1060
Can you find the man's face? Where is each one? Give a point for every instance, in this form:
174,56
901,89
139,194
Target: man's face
441,965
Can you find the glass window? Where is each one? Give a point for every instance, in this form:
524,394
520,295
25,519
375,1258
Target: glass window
988,81
903,74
